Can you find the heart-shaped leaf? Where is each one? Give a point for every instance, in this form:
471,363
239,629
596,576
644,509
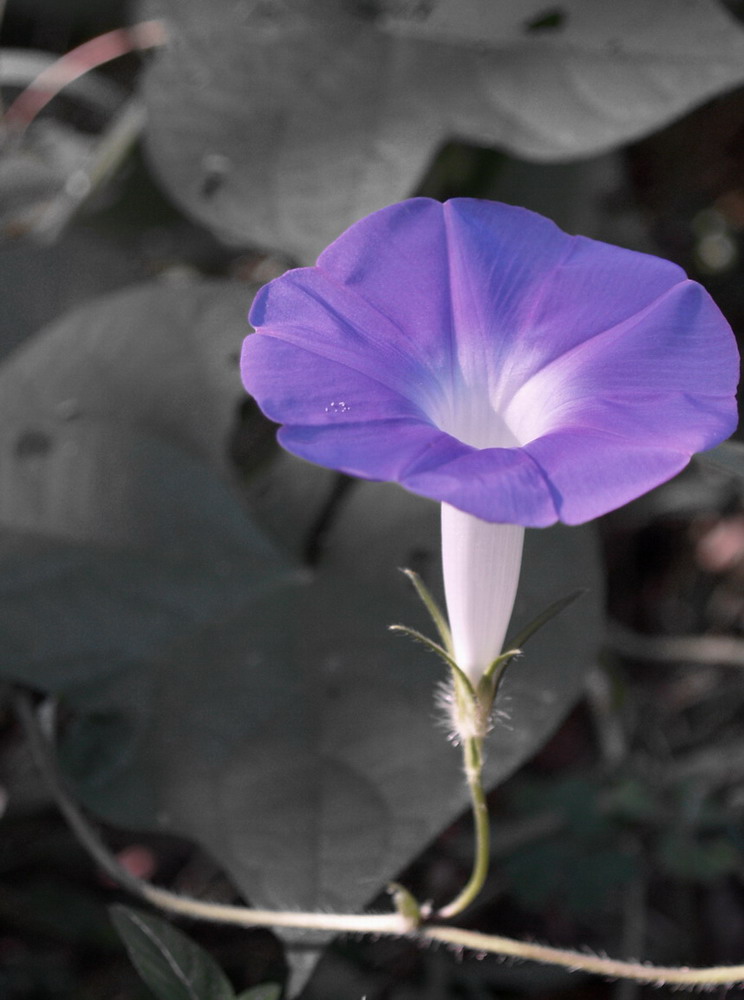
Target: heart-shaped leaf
220,689
281,123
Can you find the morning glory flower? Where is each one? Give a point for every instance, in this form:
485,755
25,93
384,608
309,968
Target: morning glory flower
476,354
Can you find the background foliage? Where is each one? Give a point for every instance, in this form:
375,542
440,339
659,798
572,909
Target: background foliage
212,614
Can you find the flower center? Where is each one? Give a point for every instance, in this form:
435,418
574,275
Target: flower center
468,415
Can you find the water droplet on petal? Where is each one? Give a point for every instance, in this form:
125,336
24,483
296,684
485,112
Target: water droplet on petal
337,406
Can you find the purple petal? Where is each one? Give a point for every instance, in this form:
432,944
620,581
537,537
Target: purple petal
678,342
385,313
593,472
428,334
397,262
525,293
381,449
314,389
496,484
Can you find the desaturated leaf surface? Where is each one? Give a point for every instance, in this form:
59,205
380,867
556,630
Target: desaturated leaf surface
220,687
160,356
280,124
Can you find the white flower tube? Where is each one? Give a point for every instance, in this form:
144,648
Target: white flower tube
481,564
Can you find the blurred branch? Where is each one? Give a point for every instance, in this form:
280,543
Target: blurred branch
110,150
78,62
607,723
715,650
3,5
717,767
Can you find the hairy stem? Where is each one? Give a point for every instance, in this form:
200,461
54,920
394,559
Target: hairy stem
386,924
641,972
473,760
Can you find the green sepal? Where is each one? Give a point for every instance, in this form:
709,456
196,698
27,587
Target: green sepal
460,678
463,686
439,619
429,643
542,619
501,663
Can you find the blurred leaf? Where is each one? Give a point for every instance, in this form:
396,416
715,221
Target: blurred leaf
633,801
291,736
266,991
692,859
581,866
57,908
39,282
116,542
172,965
580,875
34,173
159,356
584,863
280,123
574,798
216,691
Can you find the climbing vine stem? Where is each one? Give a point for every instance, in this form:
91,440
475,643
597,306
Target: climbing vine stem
405,922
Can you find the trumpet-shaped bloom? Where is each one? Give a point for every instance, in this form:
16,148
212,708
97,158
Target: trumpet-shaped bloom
476,354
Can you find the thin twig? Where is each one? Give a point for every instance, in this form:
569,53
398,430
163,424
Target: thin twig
607,721
3,5
109,152
716,650
78,62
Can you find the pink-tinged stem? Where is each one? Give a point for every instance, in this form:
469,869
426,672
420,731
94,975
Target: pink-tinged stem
78,62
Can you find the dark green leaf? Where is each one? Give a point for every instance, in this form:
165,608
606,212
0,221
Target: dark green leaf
170,963
690,858
57,908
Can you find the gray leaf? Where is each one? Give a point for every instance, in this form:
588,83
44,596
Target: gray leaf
164,357
293,739
280,124
218,693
